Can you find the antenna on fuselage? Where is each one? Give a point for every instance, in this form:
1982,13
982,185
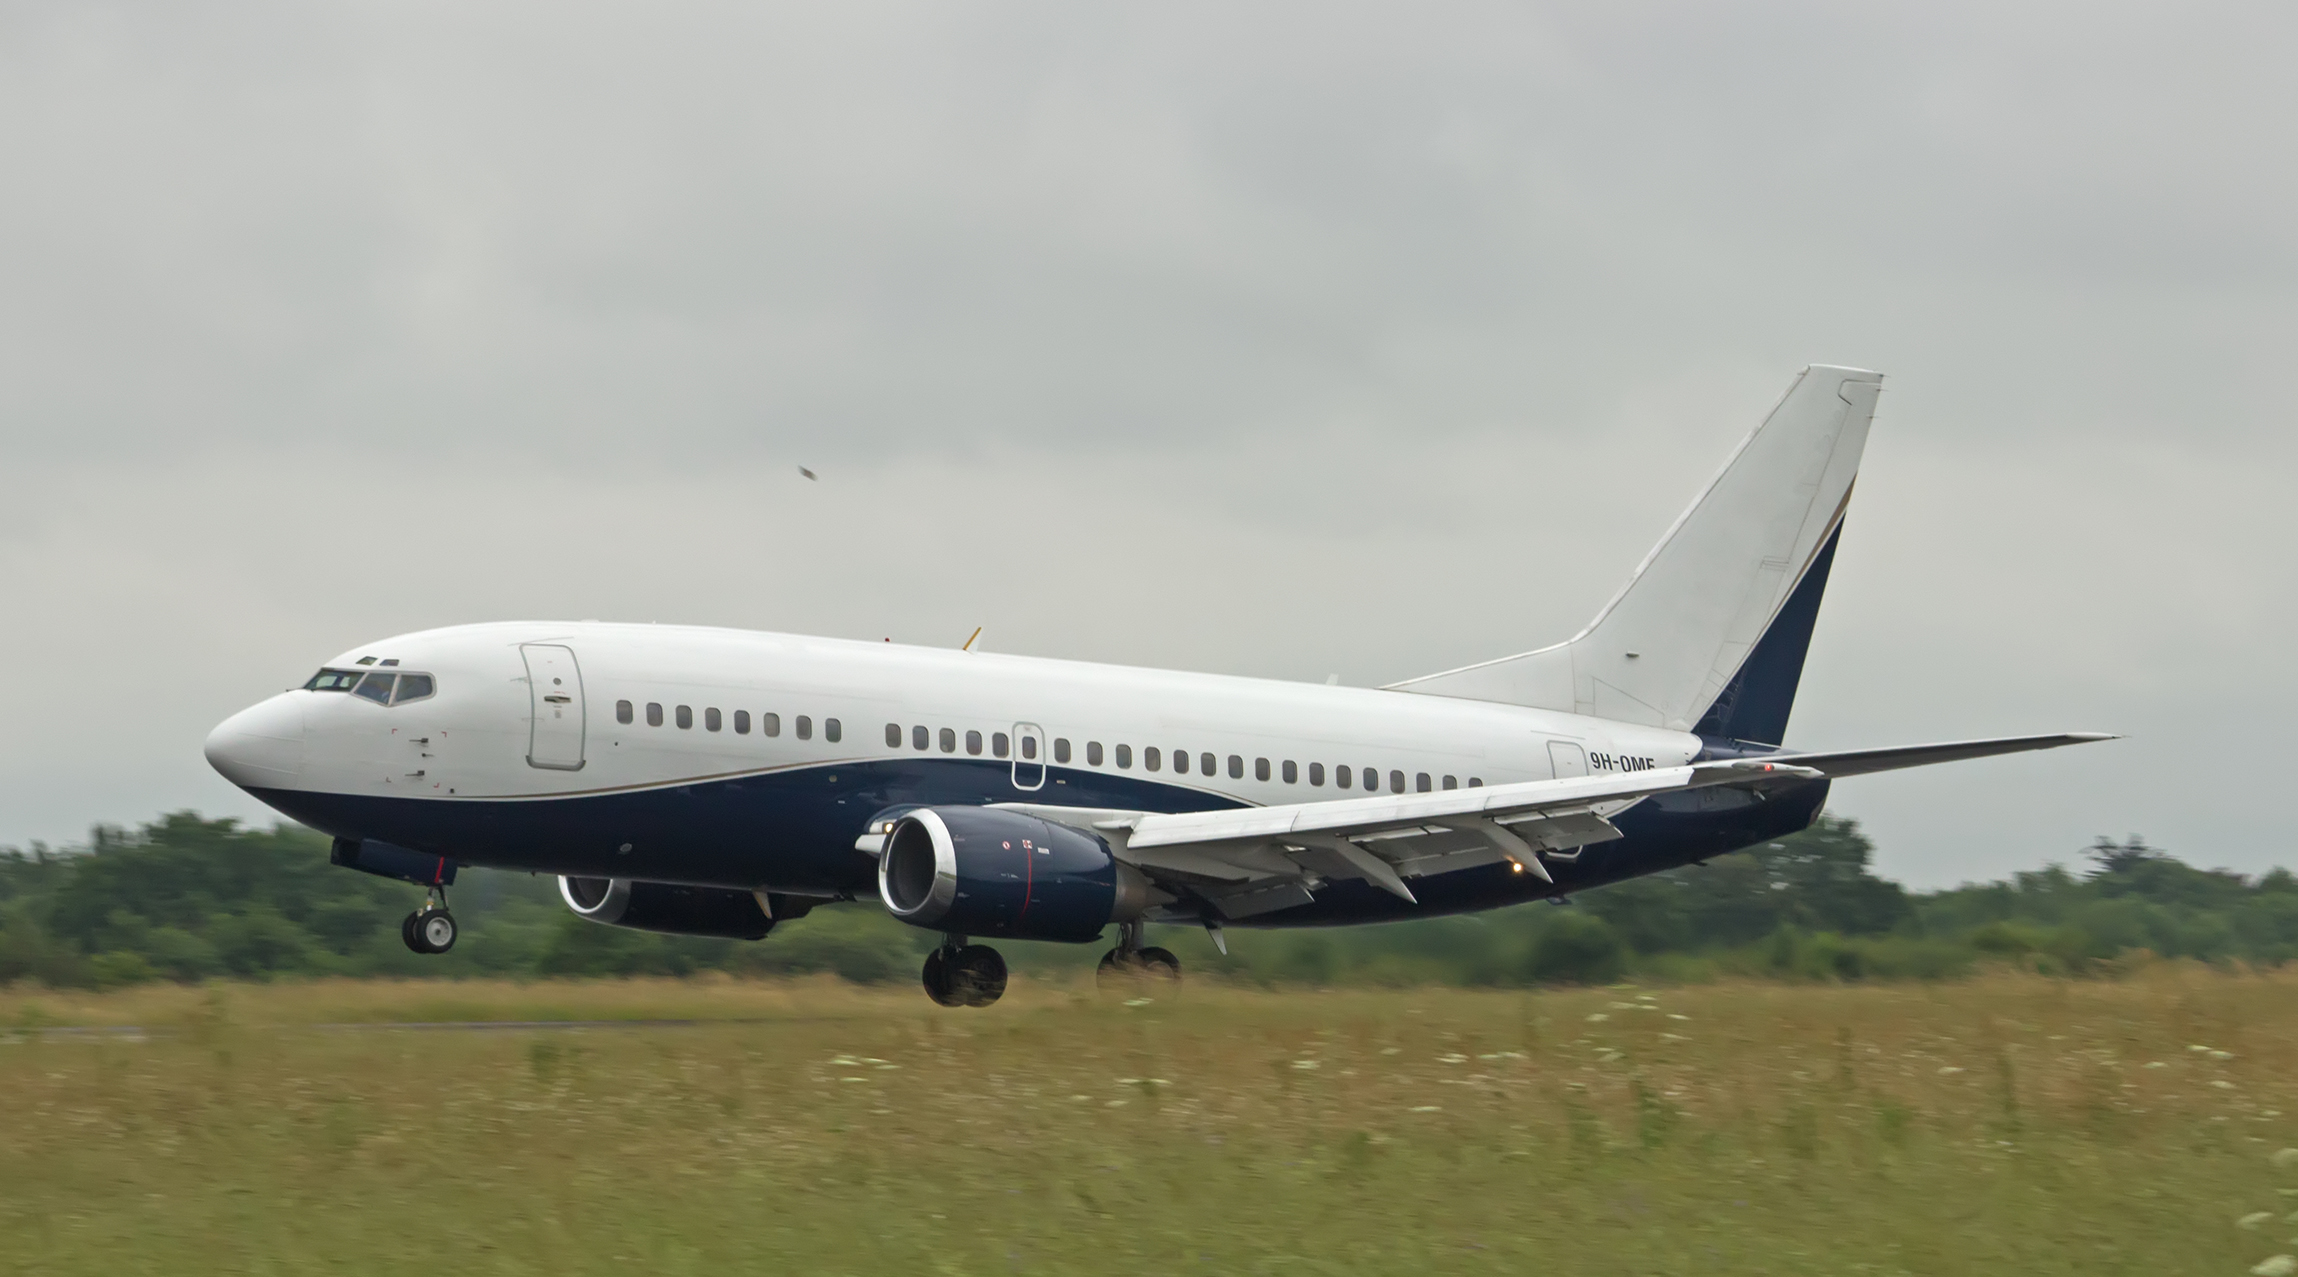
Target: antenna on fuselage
970,638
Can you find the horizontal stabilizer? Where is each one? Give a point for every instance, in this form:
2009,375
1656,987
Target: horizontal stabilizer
1860,762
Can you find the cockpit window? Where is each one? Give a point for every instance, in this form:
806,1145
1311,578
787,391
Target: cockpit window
378,686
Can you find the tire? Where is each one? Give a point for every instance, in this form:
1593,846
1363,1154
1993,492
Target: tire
980,975
940,981
407,934
1160,966
436,929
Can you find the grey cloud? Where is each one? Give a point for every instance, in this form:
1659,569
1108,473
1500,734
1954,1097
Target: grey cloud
1274,338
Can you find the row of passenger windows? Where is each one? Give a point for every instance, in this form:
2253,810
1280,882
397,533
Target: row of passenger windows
768,724
999,745
1153,759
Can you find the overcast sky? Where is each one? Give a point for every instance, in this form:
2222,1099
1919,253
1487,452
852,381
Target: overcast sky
1272,339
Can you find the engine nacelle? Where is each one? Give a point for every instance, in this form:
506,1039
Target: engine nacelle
980,871
667,907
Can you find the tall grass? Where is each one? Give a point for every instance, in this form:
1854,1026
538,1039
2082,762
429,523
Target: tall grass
2010,1123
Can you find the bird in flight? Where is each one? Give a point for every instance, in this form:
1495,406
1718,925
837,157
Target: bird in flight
809,474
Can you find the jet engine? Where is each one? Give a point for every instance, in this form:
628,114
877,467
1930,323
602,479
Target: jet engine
677,910
981,871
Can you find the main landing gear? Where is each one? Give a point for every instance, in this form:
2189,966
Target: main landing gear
1131,968
430,929
964,975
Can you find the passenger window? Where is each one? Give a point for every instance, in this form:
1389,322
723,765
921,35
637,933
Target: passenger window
1260,769
1420,782
686,716
623,712
770,724
1180,762
376,687
949,740
805,728
1125,756
1316,773
1476,782
832,730
1292,772
997,744
1452,782
893,736
1093,753
919,737
1061,749
654,713
412,687
1149,758
1029,748
711,722
973,743
741,722
1236,766
1344,776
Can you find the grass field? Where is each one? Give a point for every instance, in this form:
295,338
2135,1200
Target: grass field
2009,1124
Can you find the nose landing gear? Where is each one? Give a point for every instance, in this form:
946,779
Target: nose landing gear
964,975
430,929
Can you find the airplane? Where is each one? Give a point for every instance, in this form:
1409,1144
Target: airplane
718,782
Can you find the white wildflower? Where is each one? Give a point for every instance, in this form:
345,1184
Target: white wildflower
2156,1064
2222,1055
1308,1064
2274,1266
2199,1049
1392,1050
1452,1058
2222,1084
1598,1017
2255,1220
1428,1108
1673,1016
1948,1069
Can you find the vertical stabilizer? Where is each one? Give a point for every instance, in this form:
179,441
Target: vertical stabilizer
1709,633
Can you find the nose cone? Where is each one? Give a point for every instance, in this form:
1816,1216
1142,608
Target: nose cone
261,747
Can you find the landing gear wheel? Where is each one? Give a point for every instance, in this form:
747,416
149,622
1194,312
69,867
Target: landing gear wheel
429,931
940,981
1160,965
1138,973
978,973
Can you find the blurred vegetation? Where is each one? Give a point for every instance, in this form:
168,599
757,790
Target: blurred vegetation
188,899
2016,1125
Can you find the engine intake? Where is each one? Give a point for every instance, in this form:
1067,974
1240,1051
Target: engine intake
673,909
981,871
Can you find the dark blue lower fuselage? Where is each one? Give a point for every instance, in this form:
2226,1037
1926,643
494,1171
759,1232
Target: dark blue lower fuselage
794,830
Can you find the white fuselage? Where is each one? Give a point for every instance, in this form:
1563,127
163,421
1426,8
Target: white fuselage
492,732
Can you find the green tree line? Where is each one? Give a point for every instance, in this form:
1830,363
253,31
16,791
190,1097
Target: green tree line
188,899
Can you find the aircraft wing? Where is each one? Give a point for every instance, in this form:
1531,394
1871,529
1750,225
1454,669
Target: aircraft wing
1250,860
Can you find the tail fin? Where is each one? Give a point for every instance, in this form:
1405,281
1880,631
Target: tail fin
1709,634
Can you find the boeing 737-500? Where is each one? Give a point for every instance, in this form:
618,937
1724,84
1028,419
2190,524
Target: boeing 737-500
719,782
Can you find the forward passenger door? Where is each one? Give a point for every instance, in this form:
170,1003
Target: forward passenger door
554,682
